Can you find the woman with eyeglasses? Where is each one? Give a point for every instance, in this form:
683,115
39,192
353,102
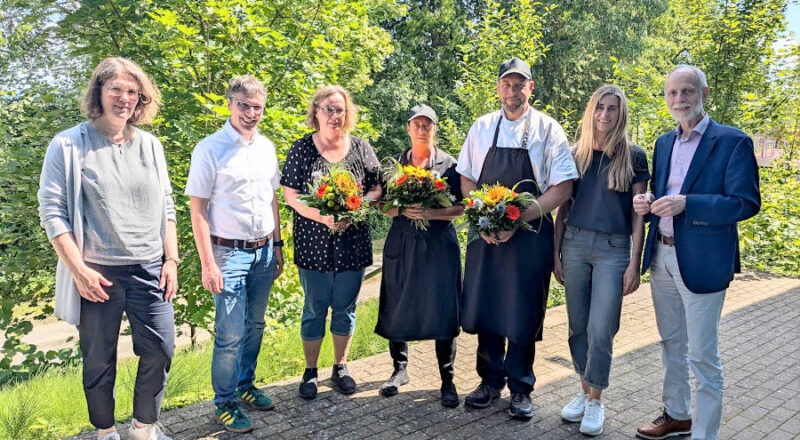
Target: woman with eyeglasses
105,201
598,247
421,280
331,265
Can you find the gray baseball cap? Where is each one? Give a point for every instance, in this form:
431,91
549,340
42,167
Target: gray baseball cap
422,110
515,65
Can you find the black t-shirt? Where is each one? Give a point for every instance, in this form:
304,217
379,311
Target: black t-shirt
315,248
598,208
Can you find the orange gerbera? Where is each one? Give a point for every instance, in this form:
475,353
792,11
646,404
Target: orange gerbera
439,185
321,190
512,212
401,180
353,203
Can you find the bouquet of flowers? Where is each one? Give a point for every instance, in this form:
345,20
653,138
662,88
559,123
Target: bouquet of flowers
408,185
492,209
339,194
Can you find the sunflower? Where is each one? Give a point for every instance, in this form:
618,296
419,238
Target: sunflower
345,183
495,194
412,171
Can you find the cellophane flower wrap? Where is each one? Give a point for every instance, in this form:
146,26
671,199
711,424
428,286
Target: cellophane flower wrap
338,194
492,209
409,185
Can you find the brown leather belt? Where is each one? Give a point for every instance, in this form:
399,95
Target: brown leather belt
241,244
669,241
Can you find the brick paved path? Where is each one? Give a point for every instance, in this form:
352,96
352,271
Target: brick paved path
760,354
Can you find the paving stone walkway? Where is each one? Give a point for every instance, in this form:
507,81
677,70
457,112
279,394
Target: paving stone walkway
759,347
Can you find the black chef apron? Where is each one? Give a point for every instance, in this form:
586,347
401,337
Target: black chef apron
506,285
421,281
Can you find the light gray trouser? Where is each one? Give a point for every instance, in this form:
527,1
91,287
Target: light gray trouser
689,327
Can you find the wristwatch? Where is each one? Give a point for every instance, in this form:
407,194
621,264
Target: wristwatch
277,243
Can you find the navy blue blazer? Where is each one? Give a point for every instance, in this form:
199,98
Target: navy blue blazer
721,188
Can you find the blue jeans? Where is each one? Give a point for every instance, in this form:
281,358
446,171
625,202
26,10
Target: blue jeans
335,290
594,264
135,292
688,324
248,275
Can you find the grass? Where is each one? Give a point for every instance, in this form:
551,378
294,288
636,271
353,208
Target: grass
52,404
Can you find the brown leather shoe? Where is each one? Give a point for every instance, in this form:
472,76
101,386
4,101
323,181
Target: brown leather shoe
664,426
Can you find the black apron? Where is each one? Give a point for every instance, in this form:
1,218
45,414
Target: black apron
506,285
420,283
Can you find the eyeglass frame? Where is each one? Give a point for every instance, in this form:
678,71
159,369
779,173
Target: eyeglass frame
329,110
245,107
117,92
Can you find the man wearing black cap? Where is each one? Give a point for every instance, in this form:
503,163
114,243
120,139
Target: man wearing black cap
506,279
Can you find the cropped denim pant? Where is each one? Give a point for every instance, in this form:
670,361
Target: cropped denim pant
594,264
248,275
337,291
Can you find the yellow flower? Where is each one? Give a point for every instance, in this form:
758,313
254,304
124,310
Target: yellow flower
412,171
495,195
345,184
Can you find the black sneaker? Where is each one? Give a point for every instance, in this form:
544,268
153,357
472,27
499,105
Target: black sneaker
521,407
308,387
342,380
390,387
482,396
449,395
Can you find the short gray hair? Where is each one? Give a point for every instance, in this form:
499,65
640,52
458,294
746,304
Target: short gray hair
701,77
247,85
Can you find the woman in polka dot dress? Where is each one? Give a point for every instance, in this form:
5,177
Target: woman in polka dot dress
331,256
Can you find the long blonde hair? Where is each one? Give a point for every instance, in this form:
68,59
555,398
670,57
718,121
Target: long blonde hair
615,145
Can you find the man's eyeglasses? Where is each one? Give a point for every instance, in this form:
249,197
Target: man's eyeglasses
245,107
116,92
329,110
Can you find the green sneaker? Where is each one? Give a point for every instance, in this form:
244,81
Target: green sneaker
232,418
255,398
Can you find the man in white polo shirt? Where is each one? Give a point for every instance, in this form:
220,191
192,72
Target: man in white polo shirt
236,225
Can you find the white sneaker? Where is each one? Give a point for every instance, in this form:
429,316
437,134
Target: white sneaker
573,412
113,435
593,418
146,432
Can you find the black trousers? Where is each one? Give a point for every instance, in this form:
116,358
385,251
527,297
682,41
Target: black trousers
445,356
135,292
496,364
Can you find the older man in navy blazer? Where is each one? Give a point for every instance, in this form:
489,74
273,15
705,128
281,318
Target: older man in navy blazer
705,180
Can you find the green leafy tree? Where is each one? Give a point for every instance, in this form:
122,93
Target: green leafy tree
584,39
732,41
499,34
26,258
191,49
423,67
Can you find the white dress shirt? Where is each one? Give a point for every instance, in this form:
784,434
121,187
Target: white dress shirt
239,178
